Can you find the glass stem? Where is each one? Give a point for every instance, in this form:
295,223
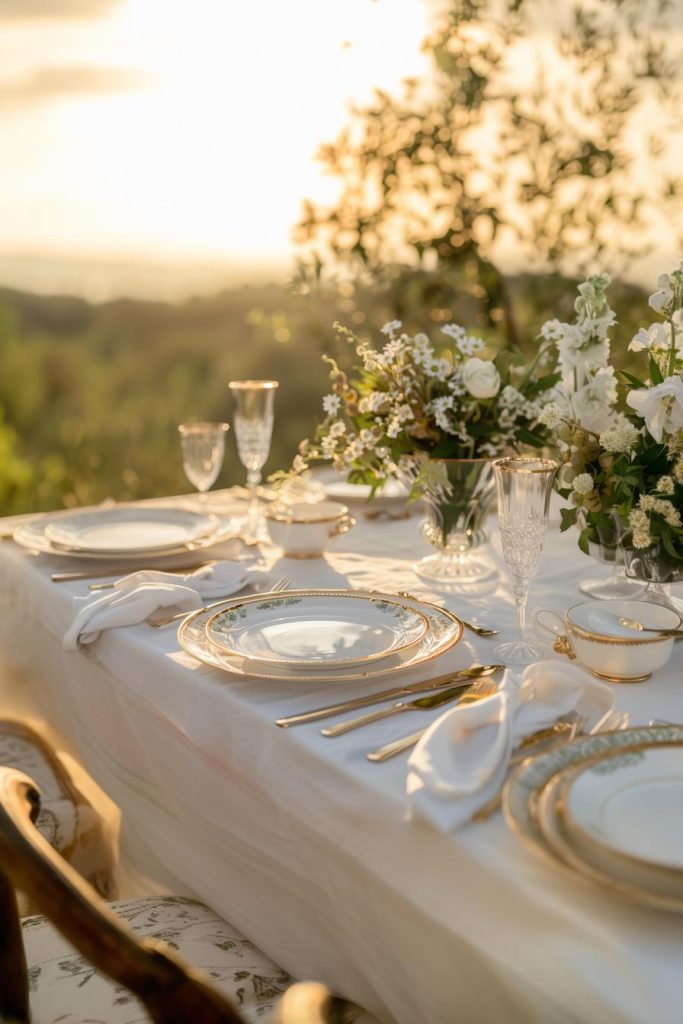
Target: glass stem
521,589
253,480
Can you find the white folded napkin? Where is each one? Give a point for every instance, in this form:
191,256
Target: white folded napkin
210,581
462,760
125,607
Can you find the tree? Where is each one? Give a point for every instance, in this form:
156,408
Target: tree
542,133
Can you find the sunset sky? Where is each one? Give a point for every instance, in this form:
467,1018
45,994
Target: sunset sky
184,133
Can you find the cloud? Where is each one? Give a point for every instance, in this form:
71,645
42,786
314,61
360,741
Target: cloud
53,83
56,9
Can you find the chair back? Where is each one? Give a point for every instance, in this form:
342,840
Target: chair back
171,990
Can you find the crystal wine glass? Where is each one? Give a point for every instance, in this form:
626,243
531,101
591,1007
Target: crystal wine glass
203,448
254,401
524,484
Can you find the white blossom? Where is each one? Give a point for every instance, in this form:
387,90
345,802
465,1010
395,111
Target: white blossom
583,483
621,436
551,416
665,485
391,327
660,406
331,404
481,378
592,403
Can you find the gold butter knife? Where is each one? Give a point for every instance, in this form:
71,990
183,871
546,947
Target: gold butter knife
464,675
433,700
483,689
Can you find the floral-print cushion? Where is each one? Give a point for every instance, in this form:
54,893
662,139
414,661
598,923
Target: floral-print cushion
66,989
66,819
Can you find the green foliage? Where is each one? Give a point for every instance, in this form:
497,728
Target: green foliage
530,133
92,394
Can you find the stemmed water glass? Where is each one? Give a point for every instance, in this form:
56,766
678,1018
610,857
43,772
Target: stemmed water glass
253,422
203,448
524,484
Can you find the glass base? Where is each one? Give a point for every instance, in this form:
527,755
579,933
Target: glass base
453,569
614,588
521,652
660,593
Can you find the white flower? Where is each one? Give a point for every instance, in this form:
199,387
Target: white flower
331,404
641,539
665,485
662,297
550,416
656,336
583,483
592,403
481,378
337,429
621,436
393,325
299,465
441,408
678,471
465,343
661,406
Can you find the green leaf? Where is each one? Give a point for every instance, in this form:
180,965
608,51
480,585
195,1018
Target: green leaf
656,375
527,437
584,537
631,379
568,517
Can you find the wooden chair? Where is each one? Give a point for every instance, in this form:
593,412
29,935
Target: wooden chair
67,819
71,985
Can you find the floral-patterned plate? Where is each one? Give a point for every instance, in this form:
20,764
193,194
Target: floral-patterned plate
316,629
443,633
532,807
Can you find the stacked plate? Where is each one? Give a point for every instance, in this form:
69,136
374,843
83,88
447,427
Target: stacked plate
319,635
124,532
608,807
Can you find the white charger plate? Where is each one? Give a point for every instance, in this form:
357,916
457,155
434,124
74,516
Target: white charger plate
129,529
316,630
444,632
529,806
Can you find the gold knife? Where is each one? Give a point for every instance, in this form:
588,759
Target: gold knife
465,674
434,700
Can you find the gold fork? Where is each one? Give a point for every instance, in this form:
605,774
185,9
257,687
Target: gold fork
479,630
281,584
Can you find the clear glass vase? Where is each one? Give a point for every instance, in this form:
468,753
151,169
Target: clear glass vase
609,551
657,569
455,523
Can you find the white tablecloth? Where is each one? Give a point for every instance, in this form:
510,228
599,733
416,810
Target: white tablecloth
302,844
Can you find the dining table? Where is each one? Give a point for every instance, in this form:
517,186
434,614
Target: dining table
305,845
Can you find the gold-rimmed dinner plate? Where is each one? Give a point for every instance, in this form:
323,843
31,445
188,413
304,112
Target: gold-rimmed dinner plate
443,633
316,630
129,529
530,811
628,804
32,535
644,883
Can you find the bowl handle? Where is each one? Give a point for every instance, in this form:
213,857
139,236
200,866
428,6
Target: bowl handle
553,630
343,525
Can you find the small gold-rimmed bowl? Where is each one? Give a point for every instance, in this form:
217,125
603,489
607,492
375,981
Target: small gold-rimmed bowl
305,529
592,634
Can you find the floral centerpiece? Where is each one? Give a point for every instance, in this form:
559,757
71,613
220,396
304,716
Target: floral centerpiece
621,433
435,414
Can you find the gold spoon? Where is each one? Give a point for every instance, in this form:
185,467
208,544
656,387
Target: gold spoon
634,624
